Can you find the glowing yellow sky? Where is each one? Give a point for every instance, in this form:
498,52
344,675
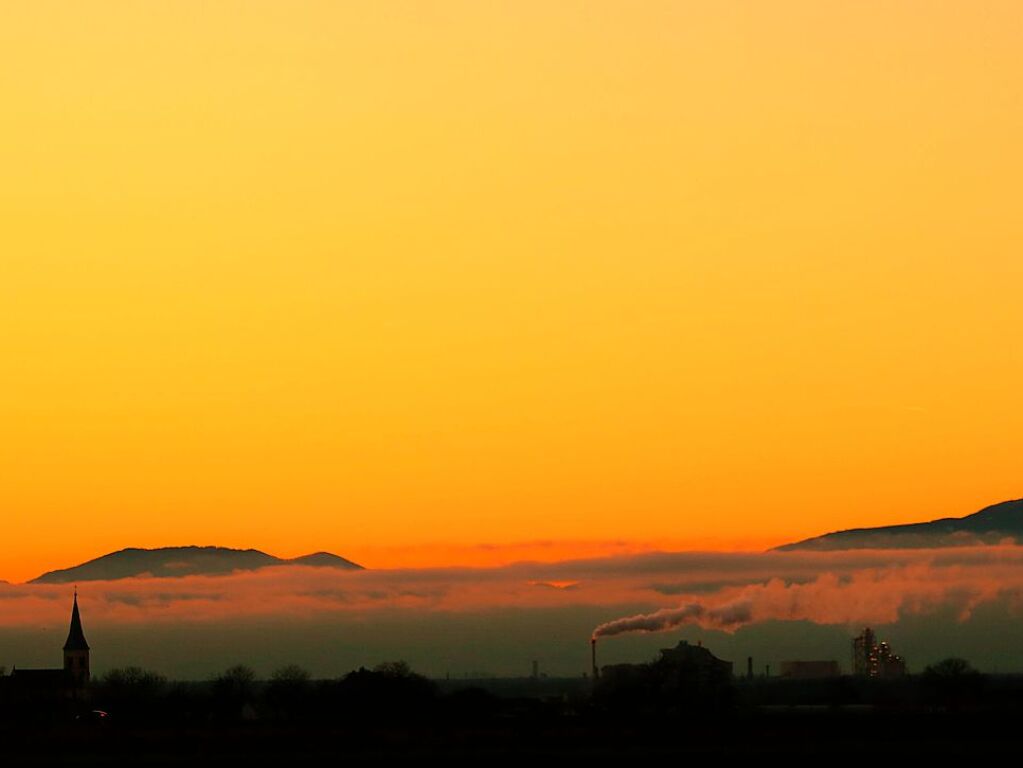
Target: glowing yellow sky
352,276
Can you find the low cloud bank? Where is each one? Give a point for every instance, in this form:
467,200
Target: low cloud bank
713,590
467,621
868,596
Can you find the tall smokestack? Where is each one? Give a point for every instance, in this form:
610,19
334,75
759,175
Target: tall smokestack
749,667
593,655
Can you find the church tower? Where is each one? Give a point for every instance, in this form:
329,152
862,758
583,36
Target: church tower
76,651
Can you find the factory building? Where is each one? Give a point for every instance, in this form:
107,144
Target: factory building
693,660
696,657
875,659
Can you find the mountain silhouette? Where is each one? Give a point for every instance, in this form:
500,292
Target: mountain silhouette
322,560
991,525
182,561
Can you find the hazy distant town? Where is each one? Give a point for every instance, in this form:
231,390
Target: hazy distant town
390,709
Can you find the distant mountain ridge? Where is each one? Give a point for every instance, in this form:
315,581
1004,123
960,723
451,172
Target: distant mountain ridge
182,561
991,525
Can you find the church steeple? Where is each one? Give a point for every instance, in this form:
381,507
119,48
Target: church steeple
76,650
75,635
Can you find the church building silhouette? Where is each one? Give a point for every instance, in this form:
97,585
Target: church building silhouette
70,682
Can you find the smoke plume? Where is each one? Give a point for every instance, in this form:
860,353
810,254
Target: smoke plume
868,596
726,617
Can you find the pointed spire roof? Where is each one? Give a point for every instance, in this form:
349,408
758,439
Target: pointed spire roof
75,635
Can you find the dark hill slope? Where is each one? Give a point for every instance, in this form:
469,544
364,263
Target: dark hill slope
991,525
181,561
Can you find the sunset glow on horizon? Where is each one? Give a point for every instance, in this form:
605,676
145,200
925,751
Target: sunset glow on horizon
472,283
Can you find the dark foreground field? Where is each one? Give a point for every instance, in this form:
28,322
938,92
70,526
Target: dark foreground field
834,736
371,718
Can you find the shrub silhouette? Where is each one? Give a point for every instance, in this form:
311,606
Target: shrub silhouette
132,693
952,683
287,693
388,692
233,692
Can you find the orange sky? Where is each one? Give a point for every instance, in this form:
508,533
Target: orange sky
400,278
